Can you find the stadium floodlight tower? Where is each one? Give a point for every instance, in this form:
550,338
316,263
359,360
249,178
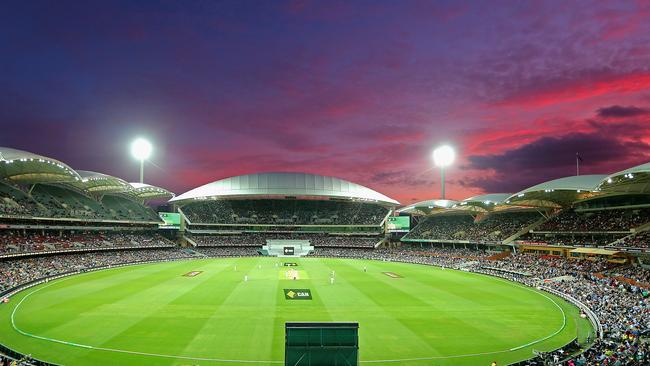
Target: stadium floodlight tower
141,150
443,156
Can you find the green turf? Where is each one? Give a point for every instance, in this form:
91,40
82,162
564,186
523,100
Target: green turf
428,313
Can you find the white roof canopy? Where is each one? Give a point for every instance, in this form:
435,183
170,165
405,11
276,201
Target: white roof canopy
428,206
25,167
281,185
484,202
632,180
558,192
101,183
148,192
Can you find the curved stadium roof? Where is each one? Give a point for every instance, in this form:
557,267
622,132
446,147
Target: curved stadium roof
148,192
24,167
281,185
428,206
101,183
560,192
632,180
484,202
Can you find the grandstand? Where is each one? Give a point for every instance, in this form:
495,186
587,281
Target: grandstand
585,239
248,210
479,219
571,212
465,228
46,206
35,187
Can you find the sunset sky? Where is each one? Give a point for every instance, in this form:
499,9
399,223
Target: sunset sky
360,90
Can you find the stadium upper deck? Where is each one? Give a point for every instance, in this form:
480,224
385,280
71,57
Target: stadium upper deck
588,210
38,188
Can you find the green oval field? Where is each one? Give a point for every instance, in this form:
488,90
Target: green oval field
159,314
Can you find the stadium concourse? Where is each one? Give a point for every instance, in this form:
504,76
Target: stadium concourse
585,238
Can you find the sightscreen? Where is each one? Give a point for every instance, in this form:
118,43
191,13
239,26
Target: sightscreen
399,224
171,220
321,344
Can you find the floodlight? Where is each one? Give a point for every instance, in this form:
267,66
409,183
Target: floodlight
443,156
141,149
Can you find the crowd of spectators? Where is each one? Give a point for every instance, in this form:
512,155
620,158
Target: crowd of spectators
603,220
5,360
16,207
122,208
569,228
228,251
47,201
259,239
574,239
627,351
285,212
18,241
499,226
17,271
492,228
622,308
547,266
640,240
440,227
444,257
231,240
633,272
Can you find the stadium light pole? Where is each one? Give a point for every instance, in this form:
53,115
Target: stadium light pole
141,150
443,156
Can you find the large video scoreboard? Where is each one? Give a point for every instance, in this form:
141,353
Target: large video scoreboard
398,224
171,220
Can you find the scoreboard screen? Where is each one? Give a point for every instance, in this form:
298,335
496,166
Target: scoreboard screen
288,250
398,224
171,220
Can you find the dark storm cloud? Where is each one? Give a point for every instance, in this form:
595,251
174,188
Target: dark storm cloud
554,157
617,111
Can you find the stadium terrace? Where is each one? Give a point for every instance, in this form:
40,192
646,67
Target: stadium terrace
92,273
